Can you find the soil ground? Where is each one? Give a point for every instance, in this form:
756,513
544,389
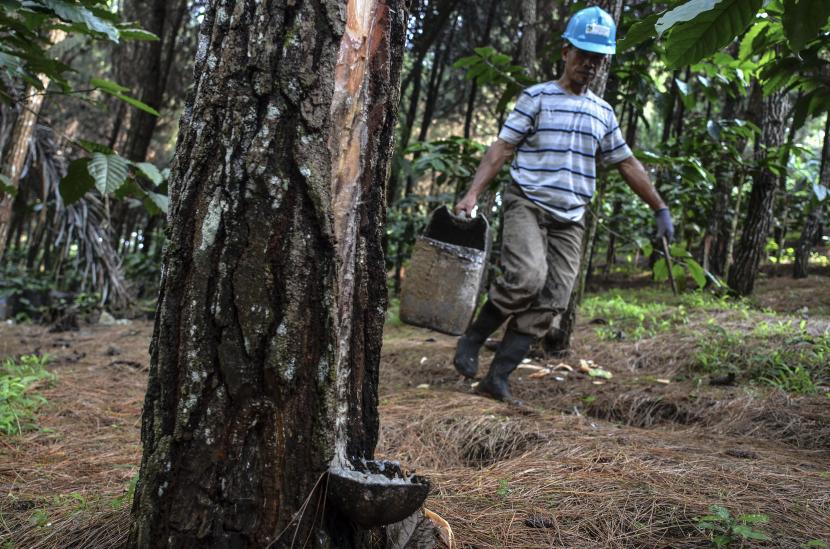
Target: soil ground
630,461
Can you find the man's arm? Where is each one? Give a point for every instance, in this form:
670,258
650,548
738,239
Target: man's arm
637,178
489,167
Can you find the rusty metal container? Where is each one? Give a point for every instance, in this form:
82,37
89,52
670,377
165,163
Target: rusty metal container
443,280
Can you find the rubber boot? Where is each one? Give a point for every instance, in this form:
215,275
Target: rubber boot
512,351
466,353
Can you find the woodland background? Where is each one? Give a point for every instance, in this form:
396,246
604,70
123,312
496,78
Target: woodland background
689,420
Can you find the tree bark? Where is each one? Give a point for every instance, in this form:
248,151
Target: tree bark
266,347
436,78
527,46
812,225
716,257
18,148
471,99
15,157
759,210
143,66
558,339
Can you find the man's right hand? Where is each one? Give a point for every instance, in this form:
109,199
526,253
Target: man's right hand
465,206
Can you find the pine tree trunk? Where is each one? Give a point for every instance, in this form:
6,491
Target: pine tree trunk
143,67
265,352
558,339
471,99
527,55
812,225
723,211
18,148
759,210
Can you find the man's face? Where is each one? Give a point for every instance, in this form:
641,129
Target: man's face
581,66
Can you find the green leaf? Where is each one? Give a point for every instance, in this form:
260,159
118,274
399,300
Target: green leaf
137,34
161,201
150,172
465,62
709,518
77,181
820,191
109,171
10,62
661,270
117,90
720,511
802,109
107,85
803,20
79,14
6,186
697,272
91,147
748,533
753,518
709,30
638,33
678,250
748,41
722,541
817,543
137,104
681,14
648,249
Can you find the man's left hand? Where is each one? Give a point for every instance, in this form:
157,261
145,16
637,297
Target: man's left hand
665,227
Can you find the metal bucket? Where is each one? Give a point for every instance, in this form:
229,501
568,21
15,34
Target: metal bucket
442,283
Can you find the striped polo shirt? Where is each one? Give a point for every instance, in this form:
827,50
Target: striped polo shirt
558,137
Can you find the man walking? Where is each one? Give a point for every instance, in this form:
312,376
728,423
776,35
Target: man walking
554,135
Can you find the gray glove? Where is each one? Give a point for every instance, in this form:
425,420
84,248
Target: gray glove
665,227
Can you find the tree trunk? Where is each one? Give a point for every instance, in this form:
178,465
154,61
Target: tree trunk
266,347
716,257
558,339
436,79
759,210
471,99
527,46
812,225
143,67
18,148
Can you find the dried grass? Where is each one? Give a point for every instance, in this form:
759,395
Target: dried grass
600,486
69,474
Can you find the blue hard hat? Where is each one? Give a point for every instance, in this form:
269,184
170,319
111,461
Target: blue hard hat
592,29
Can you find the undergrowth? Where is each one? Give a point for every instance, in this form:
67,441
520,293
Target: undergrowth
780,354
638,314
19,401
724,529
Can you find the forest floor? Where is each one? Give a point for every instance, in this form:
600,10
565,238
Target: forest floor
710,402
